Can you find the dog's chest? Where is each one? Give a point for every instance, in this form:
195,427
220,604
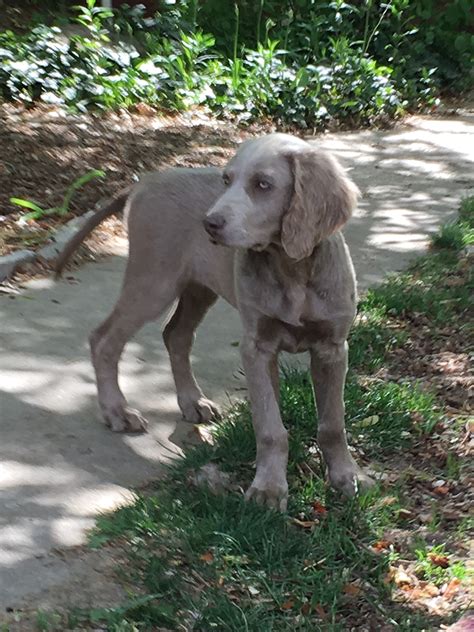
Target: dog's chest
296,304
295,319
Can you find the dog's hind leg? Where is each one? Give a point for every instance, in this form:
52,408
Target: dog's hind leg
143,298
179,335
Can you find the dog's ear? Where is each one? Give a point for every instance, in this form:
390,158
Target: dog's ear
323,200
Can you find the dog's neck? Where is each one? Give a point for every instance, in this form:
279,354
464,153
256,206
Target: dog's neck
284,267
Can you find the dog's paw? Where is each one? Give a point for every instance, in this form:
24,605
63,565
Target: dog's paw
125,419
199,411
269,491
350,480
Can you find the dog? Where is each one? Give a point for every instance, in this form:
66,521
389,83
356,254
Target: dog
264,234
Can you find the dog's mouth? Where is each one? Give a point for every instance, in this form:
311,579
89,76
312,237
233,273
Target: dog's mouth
217,240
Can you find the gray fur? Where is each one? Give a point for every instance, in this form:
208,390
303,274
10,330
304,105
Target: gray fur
274,251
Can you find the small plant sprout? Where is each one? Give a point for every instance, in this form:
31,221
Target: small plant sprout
38,212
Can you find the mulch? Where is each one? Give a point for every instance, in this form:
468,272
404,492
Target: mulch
43,150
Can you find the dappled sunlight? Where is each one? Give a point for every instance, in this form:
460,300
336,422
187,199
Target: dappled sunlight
61,465
411,180
411,167
15,474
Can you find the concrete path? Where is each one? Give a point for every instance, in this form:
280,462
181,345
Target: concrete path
59,466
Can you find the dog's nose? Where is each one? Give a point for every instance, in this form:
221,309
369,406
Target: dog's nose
214,223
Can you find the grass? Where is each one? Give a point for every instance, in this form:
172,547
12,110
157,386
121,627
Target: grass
202,561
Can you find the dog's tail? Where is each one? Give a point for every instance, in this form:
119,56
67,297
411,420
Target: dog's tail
112,208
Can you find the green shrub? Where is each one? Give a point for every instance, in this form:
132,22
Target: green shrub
305,63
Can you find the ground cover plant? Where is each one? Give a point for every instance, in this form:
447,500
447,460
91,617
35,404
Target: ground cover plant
300,63
200,558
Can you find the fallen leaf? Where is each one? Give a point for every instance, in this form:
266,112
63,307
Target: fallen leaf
319,508
207,557
253,591
401,577
442,491
381,545
204,432
305,608
405,514
424,591
452,588
439,560
320,611
287,605
304,524
368,421
352,589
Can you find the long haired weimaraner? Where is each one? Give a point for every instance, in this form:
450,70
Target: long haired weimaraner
264,235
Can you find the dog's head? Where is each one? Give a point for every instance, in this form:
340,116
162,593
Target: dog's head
280,189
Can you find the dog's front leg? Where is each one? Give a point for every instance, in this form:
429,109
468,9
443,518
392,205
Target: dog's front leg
269,486
329,368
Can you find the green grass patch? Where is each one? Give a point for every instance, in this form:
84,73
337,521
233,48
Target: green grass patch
429,288
385,417
372,337
458,234
230,565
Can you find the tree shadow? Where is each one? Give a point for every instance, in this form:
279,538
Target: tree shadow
60,464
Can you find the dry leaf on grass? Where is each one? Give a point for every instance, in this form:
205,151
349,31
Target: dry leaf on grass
452,588
400,577
207,557
305,608
305,524
352,589
425,590
318,608
380,545
319,508
439,560
204,433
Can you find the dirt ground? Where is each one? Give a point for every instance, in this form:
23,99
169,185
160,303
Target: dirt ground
44,151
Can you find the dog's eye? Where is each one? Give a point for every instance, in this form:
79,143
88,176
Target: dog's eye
226,179
263,185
